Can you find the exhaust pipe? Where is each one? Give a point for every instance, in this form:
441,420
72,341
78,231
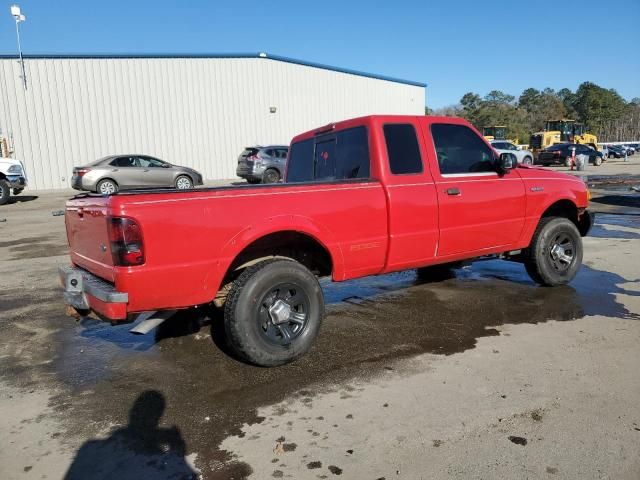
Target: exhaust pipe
150,320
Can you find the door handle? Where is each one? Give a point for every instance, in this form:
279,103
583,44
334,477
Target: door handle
453,191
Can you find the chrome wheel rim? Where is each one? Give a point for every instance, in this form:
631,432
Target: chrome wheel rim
183,183
561,252
107,188
283,313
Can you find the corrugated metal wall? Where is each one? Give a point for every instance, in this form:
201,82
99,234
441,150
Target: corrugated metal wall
198,112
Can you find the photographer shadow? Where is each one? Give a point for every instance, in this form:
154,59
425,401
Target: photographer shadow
142,449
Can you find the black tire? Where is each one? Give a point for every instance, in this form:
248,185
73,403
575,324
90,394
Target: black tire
109,186
527,160
250,324
271,175
568,162
598,161
546,266
184,182
437,273
5,191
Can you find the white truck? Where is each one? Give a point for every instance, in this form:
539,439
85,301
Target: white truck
13,176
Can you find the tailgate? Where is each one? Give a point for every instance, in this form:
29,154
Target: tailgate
88,236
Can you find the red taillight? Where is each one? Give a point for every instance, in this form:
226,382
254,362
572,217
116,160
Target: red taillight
125,237
81,171
253,158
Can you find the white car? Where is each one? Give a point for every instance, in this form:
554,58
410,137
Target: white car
503,146
12,177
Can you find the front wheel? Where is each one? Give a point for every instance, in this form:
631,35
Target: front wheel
555,253
273,312
183,183
598,161
5,191
527,160
568,162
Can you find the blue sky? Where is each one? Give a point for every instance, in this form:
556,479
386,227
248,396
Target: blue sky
454,46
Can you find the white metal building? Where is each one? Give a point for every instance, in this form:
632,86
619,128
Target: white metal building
193,110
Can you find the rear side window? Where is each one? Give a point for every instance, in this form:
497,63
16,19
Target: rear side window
340,156
460,150
402,149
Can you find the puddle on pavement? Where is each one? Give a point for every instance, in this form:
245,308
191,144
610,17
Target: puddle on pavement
101,370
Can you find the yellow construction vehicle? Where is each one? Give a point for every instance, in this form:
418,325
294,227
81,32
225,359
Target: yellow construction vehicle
561,131
494,132
497,132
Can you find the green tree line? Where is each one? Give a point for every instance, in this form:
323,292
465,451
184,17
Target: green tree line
603,111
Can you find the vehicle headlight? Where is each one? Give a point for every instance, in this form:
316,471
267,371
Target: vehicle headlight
15,169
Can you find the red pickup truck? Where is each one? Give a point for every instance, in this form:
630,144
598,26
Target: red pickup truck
361,197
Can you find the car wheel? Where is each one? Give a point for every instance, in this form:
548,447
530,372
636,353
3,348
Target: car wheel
273,312
5,191
183,183
555,253
271,175
527,160
598,161
107,187
568,162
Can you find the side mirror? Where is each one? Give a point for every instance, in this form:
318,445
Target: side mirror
506,162
166,165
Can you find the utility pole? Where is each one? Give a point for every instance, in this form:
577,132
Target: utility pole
19,17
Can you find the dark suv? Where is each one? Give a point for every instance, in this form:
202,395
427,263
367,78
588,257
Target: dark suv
562,152
262,164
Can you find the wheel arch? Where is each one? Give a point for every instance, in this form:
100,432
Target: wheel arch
290,236
562,208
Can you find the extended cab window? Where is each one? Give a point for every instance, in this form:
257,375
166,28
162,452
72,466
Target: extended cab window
460,150
340,156
402,149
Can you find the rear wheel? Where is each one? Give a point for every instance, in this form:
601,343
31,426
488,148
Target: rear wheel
273,312
527,160
183,183
5,191
271,175
598,161
107,187
555,253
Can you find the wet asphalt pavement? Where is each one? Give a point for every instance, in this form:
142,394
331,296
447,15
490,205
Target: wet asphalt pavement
177,391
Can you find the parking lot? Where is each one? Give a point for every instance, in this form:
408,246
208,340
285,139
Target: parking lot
480,375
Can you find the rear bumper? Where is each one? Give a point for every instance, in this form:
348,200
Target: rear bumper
85,291
250,170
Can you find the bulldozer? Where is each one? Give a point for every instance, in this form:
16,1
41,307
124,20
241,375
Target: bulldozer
561,131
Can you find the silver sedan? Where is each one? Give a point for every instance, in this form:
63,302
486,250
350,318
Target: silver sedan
122,172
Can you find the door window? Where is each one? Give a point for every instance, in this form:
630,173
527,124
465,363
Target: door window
460,150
